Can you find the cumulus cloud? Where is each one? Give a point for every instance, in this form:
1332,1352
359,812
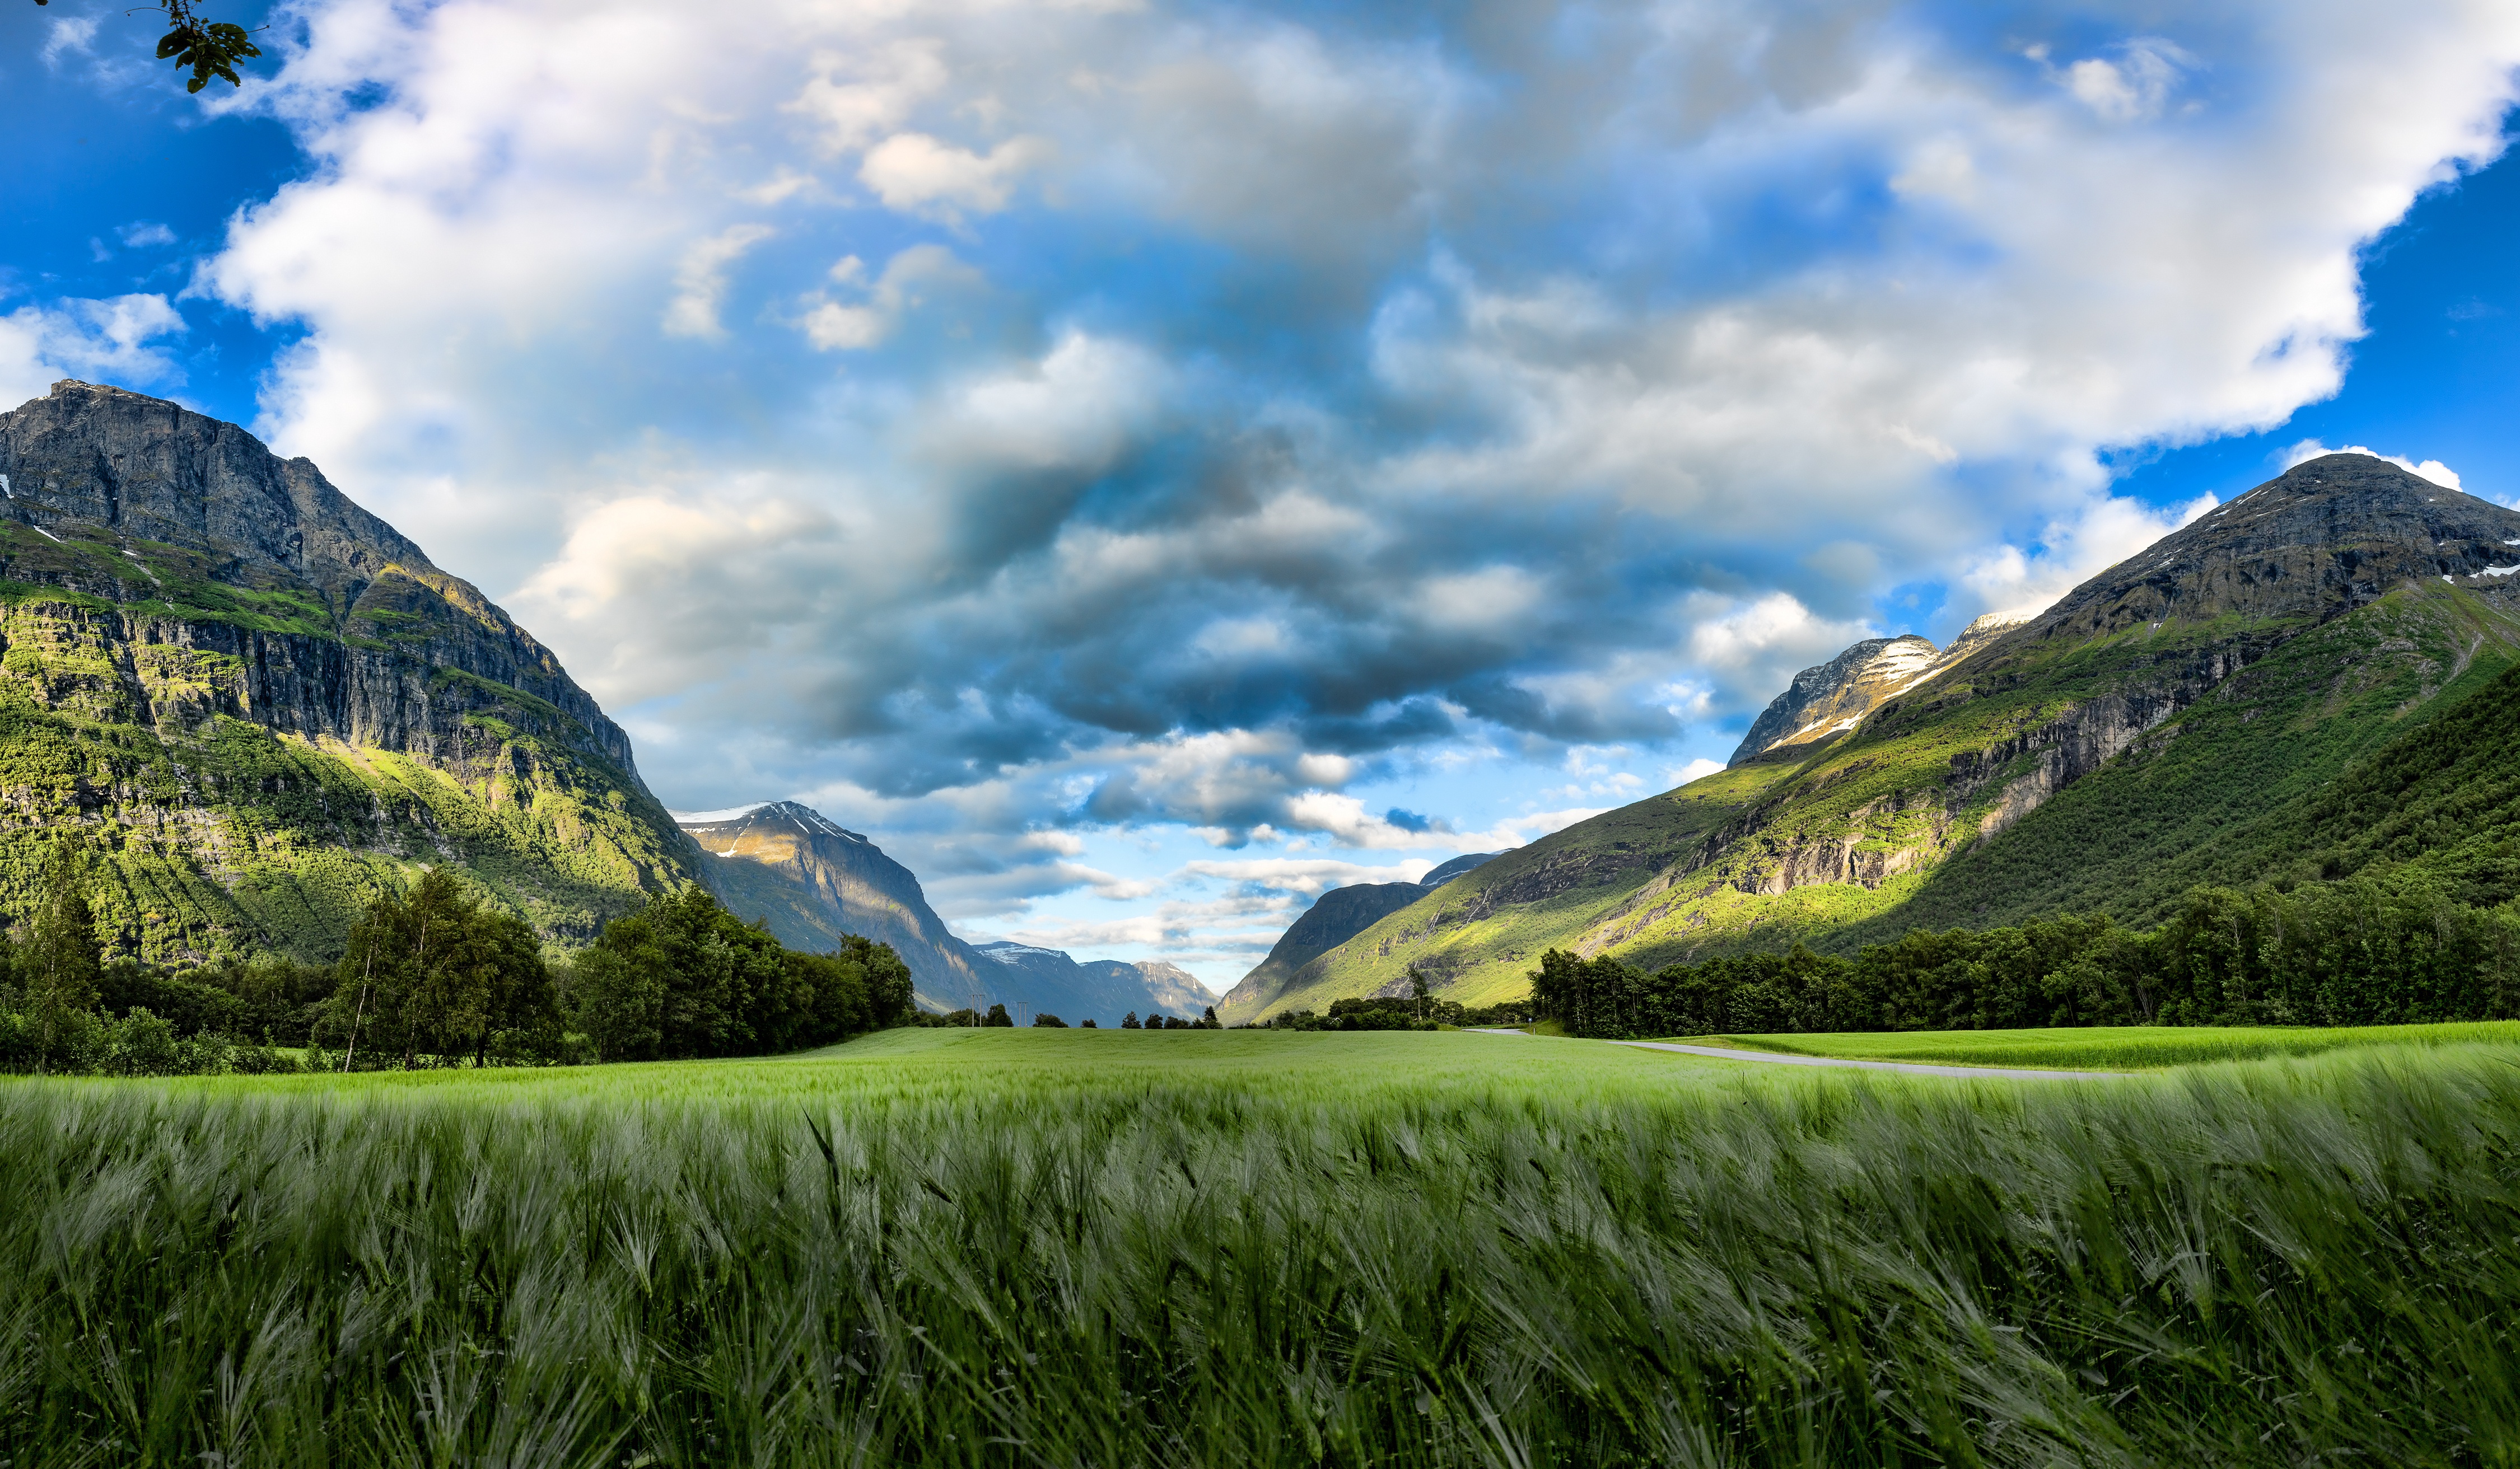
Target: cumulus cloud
2131,86
1310,876
918,174
1247,405
2069,551
115,339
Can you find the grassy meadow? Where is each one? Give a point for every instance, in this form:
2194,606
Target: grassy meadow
1065,1247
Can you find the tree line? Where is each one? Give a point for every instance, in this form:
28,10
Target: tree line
2367,951
434,976
996,1016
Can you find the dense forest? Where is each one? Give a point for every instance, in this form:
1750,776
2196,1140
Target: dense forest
432,977
2373,950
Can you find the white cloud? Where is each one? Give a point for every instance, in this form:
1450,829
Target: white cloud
1344,820
2432,469
910,280
858,97
113,339
918,174
699,281
2071,550
67,34
144,234
2132,88
1308,875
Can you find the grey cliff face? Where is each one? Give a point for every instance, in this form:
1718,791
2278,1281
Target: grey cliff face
1467,862
338,626
159,472
1335,916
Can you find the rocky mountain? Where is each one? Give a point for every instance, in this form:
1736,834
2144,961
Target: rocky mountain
258,703
2165,724
1039,981
1173,990
1825,701
812,881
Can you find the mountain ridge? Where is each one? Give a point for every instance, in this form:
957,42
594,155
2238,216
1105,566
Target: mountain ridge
2197,687
811,880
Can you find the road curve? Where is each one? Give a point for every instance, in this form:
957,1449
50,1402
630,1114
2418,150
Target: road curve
1912,1068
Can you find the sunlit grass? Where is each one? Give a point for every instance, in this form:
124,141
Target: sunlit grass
1022,1247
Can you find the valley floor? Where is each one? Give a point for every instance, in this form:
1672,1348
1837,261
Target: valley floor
982,1247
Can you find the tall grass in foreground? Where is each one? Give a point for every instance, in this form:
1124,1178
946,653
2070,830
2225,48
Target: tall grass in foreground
2277,1263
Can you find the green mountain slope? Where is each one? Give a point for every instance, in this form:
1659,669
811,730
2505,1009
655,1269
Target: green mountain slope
1335,916
2161,726
1477,933
257,704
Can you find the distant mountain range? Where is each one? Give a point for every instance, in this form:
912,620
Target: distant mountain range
2171,721
812,879
1106,989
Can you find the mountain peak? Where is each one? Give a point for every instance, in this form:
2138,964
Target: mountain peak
1826,700
733,819
2328,536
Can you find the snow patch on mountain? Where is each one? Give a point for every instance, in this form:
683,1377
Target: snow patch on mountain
714,818
1831,699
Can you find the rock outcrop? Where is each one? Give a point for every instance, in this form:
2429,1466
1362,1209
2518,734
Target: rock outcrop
1467,862
1828,698
2326,537
1825,701
319,619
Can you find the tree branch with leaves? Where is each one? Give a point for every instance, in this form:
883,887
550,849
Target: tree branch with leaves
212,48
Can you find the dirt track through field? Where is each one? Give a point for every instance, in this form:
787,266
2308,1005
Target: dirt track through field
1912,1068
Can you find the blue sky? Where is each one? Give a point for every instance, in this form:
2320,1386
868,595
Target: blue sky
1146,462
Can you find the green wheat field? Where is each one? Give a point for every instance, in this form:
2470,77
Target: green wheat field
978,1247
